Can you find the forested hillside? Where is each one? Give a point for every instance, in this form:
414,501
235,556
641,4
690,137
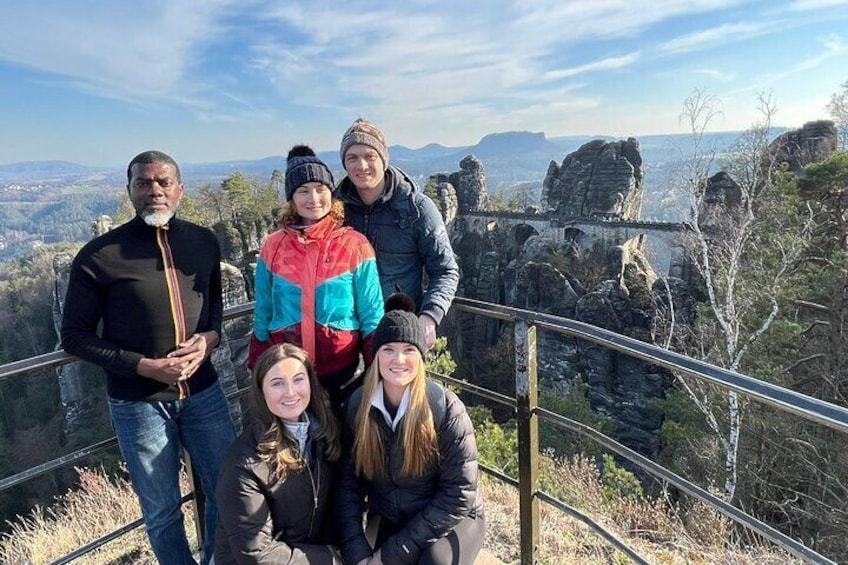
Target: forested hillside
38,215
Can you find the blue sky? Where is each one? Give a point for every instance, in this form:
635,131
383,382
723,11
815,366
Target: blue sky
98,81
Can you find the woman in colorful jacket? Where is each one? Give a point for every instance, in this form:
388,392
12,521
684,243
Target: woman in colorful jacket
316,283
411,451
274,488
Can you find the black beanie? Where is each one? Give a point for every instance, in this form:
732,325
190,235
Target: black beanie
302,166
399,325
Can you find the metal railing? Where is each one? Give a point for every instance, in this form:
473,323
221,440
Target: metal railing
527,322
528,415
54,360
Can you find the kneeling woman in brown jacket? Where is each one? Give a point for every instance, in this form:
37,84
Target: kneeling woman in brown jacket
412,452
273,491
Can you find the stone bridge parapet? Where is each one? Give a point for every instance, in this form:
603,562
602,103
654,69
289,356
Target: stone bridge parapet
663,243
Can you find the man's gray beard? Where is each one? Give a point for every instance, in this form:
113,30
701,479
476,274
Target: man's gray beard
157,219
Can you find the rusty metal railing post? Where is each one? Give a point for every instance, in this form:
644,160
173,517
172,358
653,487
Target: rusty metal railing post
527,399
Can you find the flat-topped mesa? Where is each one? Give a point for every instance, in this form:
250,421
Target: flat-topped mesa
602,179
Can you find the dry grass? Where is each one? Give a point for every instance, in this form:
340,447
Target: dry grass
661,535
99,506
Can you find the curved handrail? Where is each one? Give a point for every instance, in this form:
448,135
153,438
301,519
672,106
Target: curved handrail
812,409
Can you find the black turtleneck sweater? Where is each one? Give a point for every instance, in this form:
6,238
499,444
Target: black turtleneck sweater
122,279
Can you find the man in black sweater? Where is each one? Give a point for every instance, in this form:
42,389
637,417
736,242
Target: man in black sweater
154,284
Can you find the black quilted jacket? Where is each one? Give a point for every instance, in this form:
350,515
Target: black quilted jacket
263,520
431,505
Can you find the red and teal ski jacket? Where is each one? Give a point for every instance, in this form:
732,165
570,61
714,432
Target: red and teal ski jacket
317,288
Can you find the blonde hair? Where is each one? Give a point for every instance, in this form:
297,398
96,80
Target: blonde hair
276,447
419,440
289,215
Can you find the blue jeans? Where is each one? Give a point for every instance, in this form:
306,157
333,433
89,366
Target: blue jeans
150,435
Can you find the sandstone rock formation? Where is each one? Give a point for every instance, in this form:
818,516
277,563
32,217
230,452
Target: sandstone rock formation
81,386
794,150
469,184
720,203
541,277
101,225
551,272
447,202
812,143
601,179
620,387
230,357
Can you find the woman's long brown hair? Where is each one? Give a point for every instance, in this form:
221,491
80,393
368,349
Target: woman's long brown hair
276,447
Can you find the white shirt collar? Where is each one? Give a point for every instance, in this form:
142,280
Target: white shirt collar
377,401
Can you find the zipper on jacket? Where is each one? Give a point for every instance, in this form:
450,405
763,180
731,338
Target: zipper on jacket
391,455
314,500
367,222
174,297
312,255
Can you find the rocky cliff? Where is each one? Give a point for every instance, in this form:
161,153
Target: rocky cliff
812,143
469,184
601,179
720,203
572,269
790,151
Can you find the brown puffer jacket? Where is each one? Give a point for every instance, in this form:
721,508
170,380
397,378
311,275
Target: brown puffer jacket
263,520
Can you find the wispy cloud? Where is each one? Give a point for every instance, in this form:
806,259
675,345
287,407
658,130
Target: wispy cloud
602,65
426,70
409,60
129,52
808,5
833,47
416,59
721,34
606,19
715,74
406,57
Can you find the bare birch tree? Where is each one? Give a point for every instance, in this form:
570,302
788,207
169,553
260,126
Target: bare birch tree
743,265
838,110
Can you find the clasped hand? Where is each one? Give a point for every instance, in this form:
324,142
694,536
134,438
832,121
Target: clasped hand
183,362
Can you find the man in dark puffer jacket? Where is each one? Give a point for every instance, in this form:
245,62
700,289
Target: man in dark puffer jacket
402,224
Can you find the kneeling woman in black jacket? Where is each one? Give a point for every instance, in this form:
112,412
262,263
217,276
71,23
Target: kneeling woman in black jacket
413,454
273,491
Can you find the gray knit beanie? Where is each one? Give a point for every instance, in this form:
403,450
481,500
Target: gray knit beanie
363,132
302,166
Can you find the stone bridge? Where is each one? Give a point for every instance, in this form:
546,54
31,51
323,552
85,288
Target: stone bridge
662,243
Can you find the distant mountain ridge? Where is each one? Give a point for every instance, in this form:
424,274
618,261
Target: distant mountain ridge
508,157
48,167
